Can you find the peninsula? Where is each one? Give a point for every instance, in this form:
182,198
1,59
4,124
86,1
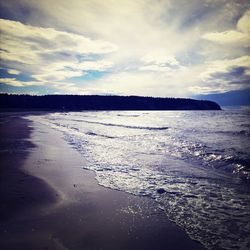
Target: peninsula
98,102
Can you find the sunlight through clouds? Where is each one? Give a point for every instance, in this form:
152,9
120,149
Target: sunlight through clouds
140,47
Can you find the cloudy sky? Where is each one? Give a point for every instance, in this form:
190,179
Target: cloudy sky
127,47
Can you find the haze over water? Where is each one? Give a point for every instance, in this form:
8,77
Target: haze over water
194,164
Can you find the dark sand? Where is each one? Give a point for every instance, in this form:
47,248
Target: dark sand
48,201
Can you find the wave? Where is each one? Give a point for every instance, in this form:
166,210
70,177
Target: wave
187,175
230,133
230,160
67,128
237,133
128,115
123,126
105,136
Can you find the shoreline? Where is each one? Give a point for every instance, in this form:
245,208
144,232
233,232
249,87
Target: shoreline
68,209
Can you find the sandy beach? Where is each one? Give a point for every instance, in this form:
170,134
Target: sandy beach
49,201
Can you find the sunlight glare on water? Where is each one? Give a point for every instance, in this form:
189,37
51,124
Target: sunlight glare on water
195,165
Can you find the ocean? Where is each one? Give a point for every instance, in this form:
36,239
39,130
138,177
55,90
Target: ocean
194,164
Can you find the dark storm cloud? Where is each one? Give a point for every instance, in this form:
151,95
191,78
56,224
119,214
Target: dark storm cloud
235,75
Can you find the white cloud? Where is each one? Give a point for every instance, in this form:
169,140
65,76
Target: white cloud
47,54
13,72
160,62
224,66
61,70
145,47
224,75
100,65
197,90
228,37
16,83
238,37
156,68
160,57
58,75
244,23
50,39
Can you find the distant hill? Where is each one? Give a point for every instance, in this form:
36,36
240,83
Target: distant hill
96,102
231,98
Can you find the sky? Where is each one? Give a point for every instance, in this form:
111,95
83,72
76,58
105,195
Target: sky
165,48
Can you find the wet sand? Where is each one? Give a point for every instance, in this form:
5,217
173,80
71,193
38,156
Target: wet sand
49,201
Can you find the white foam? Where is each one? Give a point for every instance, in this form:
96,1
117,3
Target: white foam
183,161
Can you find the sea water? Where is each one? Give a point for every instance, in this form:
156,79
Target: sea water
194,164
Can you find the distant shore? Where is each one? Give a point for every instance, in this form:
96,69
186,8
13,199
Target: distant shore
101,102
48,201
